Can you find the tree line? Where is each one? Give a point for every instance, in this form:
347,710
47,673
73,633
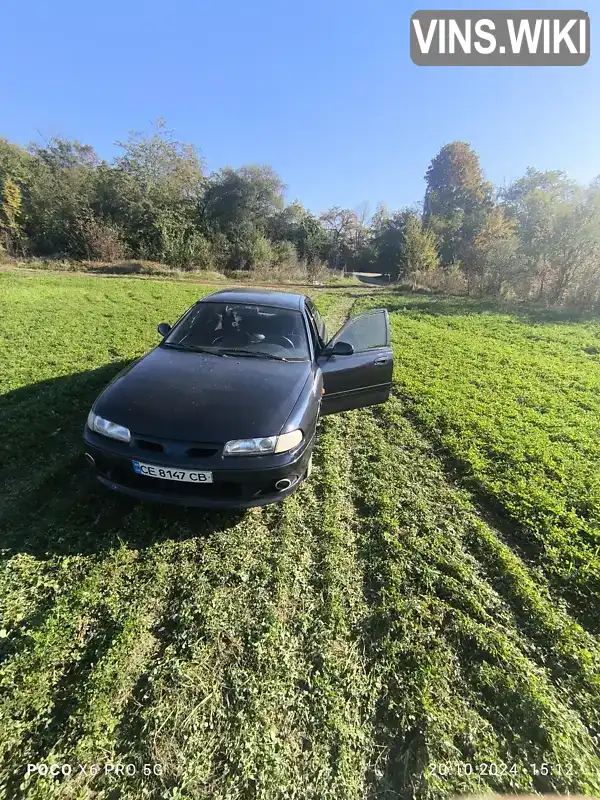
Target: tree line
538,238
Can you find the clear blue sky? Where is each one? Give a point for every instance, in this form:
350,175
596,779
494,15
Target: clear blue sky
323,90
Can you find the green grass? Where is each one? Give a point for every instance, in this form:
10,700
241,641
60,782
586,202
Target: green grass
514,399
428,599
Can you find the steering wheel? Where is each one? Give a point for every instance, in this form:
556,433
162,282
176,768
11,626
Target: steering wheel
219,339
282,341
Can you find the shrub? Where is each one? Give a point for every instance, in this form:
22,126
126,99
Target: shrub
318,272
448,280
284,252
183,247
260,253
293,271
98,240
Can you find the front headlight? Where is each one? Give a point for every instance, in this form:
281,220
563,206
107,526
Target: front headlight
264,445
106,428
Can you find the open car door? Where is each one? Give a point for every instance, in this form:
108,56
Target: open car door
357,364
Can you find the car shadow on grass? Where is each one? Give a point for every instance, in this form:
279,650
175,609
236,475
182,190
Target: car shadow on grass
50,501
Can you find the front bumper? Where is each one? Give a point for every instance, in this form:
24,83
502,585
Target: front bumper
245,485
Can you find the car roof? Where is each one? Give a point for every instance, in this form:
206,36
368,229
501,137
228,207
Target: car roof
257,297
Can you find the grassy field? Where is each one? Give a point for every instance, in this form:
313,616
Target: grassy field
420,619
283,274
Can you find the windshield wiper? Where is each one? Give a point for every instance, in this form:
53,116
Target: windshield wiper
252,353
193,349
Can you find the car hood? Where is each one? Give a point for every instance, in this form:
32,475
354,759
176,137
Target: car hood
199,397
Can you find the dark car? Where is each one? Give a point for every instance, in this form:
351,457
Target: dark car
223,412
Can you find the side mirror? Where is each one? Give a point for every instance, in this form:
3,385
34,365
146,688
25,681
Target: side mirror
164,328
339,349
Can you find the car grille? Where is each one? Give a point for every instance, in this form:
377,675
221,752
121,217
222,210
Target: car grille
201,452
178,448
153,447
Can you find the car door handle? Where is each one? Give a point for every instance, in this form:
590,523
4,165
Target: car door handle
380,360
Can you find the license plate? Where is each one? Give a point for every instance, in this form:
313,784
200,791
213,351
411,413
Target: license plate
170,474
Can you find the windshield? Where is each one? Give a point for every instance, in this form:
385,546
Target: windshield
243,328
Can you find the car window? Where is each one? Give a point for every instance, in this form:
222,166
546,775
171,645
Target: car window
317,319
366,332
275,331
313,332
320,324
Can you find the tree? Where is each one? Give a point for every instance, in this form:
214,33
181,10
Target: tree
503,268
488,229
297,225
59,154
159,183
539,204
360,254
10,216
182,246
312,244
165,170
341,225
455,182
539,237
576,245
388,243
14,163
379,218
419,248
60,186
239,206
251,195
456,193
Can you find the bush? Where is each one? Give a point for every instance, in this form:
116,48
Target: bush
98,240
447,280
183,247
195,253
221,251
284,252
318,272
293,271
260,253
